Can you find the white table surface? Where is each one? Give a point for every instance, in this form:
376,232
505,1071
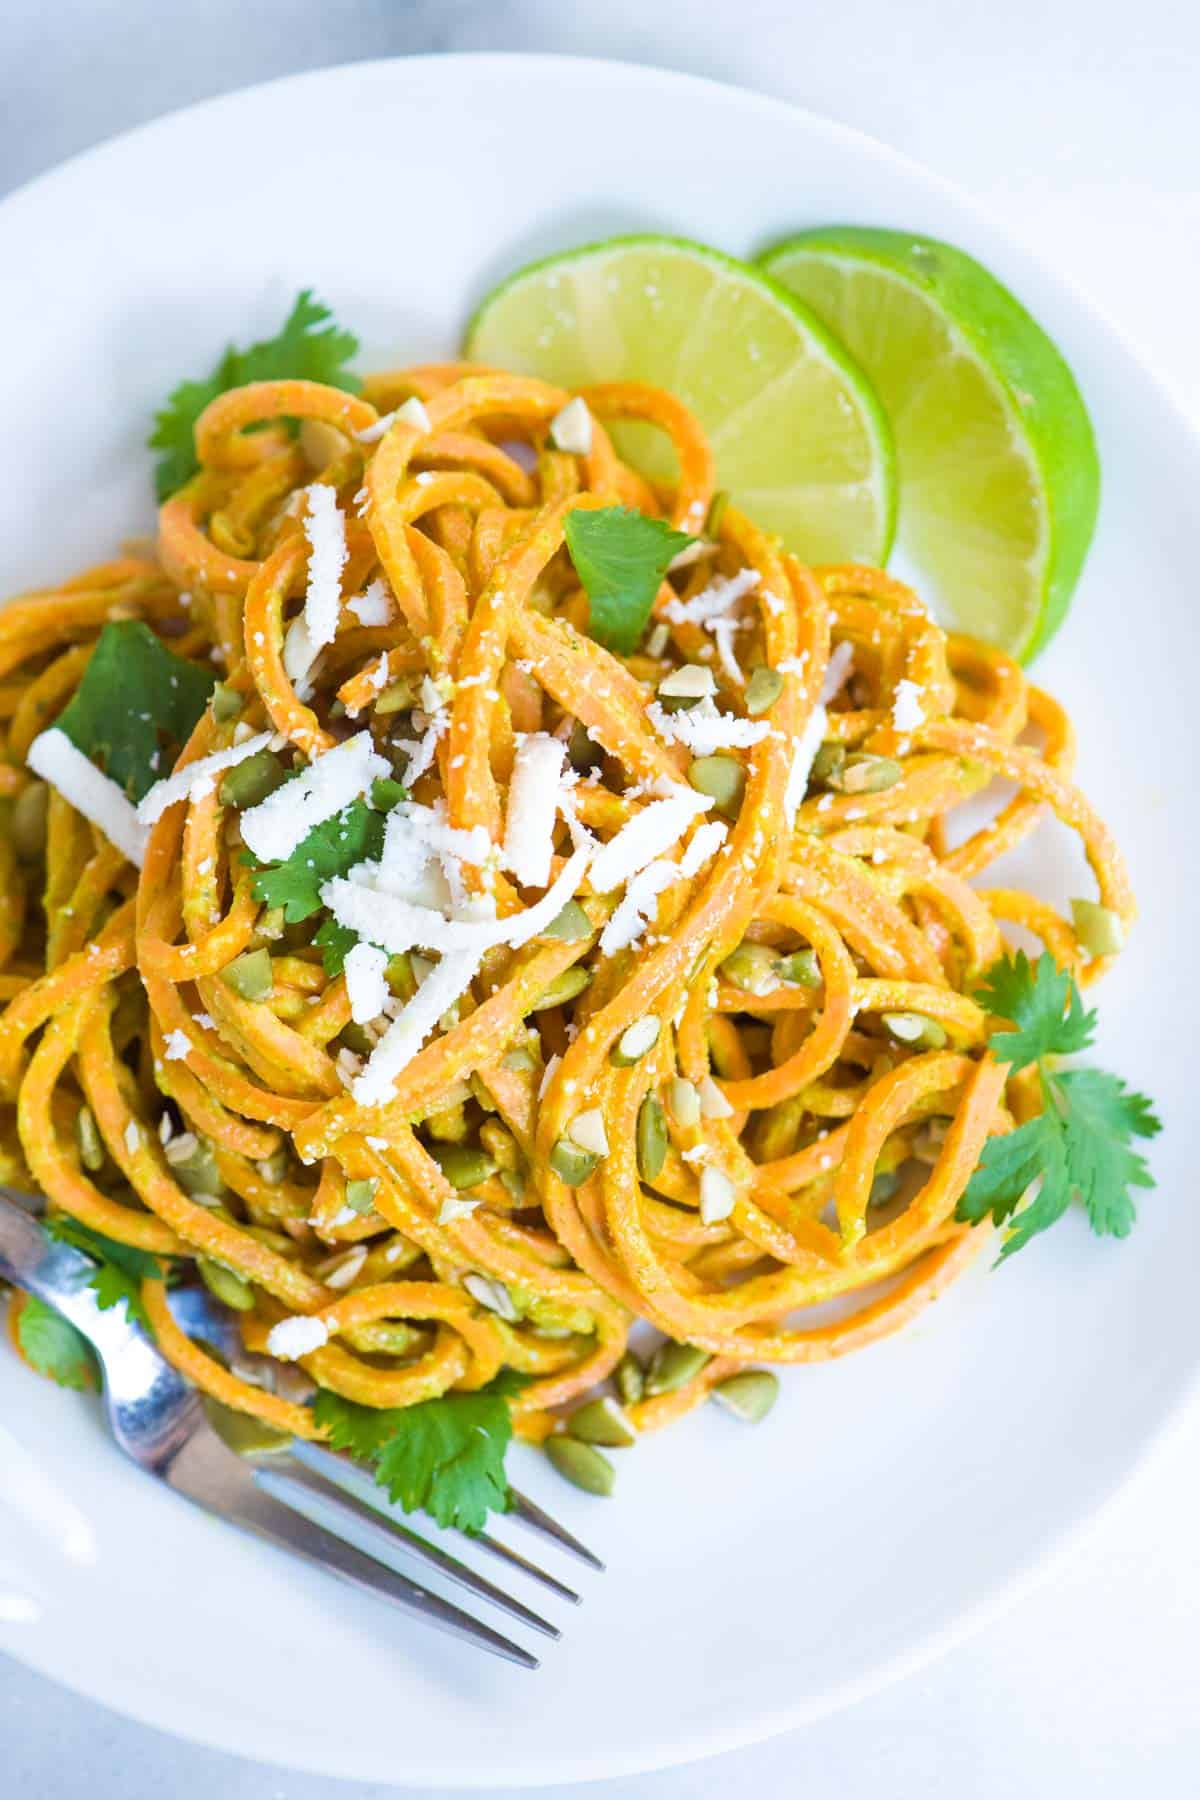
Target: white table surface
1076,123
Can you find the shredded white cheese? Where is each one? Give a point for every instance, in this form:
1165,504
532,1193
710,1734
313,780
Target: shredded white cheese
299,651
837,671
296,1337
714,601
274,827
176,1045
196,779
908,707
807,745
637,906
372,607
445,984
325,529
571,429
649,834
706,841
703,729
54,757
533,807
366,982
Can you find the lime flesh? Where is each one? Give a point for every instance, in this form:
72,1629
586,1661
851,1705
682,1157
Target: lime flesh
799,438
999,477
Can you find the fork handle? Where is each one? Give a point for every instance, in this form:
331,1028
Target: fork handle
58,1274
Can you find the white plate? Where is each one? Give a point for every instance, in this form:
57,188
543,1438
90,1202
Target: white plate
757,1578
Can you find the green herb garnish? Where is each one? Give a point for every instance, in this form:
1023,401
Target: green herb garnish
134,695
620,557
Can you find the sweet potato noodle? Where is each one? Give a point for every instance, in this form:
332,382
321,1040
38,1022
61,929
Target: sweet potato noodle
809,1107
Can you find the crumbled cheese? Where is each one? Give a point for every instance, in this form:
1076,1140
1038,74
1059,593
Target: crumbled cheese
196,779
274,827
532,808
177,1044
571,429
706,841
296,1337
703,729
55,758
325,529
206,1020
723,631
637,906
714,601
366,982
403,1038
837,671
374,606
648,835
807,745
908,709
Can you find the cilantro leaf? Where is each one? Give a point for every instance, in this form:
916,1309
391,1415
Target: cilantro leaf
120,1268
620,557
1044,1005
309,346
444,1457
52,1345
134,693
1078,1146
352,836
335,942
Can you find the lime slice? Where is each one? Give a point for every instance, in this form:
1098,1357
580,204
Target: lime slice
999,478
800,440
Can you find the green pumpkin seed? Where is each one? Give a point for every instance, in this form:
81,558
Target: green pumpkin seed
513,1183
360,1195
570,1163
250,974
752,967
271,924
249,782
28,822
462,1166
521,1061
629,1378
915,1030
827,763
720,777
800,969
564,987
87,1136
571,925
651,1138
274,1168
715,516
763,690
228,1288
602,1422
583,752
193,1163
883,1188
399,697
357,1038
689,684
581,1465
672,1366
864,774
634,1042
1099,929
749,1395
227,703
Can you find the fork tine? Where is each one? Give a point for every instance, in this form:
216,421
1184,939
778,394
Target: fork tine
322,1475
273,1517
515,1560
532,1515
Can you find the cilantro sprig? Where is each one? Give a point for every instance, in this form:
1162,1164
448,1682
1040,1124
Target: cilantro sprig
1081,1143
120,1269
444,1457
135,695
309,346
620,557
52,1346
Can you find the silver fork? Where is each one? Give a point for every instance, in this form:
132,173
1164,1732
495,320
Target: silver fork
162,1423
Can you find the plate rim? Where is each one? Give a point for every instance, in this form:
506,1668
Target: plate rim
1007,1591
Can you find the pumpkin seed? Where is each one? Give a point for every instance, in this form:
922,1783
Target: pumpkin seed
462,1166
634,1042
602,1422
763,690
587,1131
227,703
581,1465
694,681
1099,929
722,778
570,1163
571,925
629,1378
914,1029
713,1104
249,782
250,974
827,763
87,1136
717,1195
564,987
672,1366
685,1101
193,1162
28,822
360,1195
274,1168
651,1138
800,968
228,1288
863,774
749,1395
752,967
399,697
